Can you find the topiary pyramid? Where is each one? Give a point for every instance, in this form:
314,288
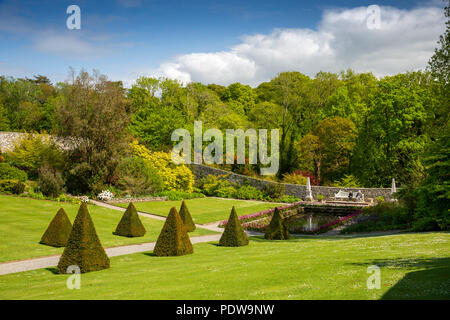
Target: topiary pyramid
234,235
173,239
130,225
83,247
186,217
58,230
277,229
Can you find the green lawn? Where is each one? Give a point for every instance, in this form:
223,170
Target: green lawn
204,210
23,222
413,266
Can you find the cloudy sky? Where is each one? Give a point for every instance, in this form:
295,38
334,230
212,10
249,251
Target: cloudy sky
217,41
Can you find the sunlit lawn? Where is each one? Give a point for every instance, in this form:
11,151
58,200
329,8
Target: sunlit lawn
23,221
413,266
205,210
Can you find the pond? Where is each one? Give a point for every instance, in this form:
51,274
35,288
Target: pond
308,223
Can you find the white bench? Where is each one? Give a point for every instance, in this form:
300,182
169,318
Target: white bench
344,195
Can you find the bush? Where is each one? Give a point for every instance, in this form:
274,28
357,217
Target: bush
32,151
233,235
130,225
348,181
18,188
249,193
379,199
287,199
50,181
173,239
294,178
186,217
137,177
11,186
320,197
58,231
8,172
83,247
179,195
277,229
274,190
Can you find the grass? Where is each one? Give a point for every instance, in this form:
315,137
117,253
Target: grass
23,221
413,266
204,210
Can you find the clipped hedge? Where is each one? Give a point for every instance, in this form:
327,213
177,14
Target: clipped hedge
173,239
83,247
58,231
233,235
8,172
130,225
186,217
277,229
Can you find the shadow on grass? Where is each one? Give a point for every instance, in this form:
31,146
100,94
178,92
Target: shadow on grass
432,281
53,270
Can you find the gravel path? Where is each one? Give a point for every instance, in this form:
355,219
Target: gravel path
52,261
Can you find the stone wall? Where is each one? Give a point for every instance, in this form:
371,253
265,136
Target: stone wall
8,140
201,171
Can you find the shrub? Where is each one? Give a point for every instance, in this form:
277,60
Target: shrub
130,225
136,176
288,199
294,178
277,229
379,199
8,172
32,151
274,190
50,181
175,177
173,239
320,197
179,195
227,192
348,181
83,247
58,231
249,192
18,188
186,217
233,235
7,186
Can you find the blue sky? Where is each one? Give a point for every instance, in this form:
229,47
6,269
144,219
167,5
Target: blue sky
215,41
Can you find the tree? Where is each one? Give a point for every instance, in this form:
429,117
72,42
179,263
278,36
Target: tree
328,148
130,225
94,115
186,217
233,235
173,239
4,121
83,247
58,231
277,229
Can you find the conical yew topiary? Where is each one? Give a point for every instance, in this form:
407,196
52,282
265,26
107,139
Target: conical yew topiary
173,239
234,235
83,247
130,225
277,229
58,230
186,217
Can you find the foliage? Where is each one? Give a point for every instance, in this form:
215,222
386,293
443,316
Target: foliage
173,239
233,235
12,186
379,199
83,247
175,177
186,217
32,151
277,229
348,181
130,225
248,192
9,172
50,181
58,231
179,195
137,177
274,190
294,178
320,197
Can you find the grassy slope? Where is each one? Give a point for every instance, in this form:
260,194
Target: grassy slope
23,222
412,266
204,210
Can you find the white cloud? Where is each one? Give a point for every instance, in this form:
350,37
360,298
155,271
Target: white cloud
404,41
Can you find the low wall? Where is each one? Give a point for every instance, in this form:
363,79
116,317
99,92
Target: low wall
9,139
202,171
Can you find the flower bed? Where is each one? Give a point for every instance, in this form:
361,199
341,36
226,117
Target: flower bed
260,215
